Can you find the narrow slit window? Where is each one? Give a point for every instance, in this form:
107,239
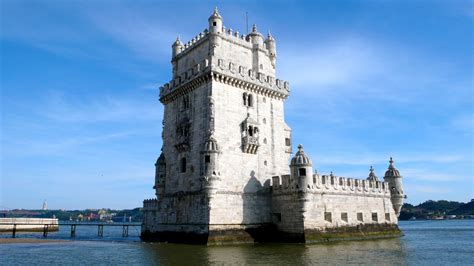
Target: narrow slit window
183,165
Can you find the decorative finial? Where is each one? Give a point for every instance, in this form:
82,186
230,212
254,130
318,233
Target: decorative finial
331,174
254,28
300,147
371,169
216,11
270,37
391,160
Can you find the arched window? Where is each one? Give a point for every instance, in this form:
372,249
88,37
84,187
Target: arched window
245,99
183,165
250,131
250,100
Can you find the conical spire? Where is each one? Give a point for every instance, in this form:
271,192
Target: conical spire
270,37
177,42
254,28
392,171
372,175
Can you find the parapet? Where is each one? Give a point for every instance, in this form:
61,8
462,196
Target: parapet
193,42
150,204
331,184
228,72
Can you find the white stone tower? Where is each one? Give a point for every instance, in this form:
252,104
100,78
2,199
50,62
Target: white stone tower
224,133
223,174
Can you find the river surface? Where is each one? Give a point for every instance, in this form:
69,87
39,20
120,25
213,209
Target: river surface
446,242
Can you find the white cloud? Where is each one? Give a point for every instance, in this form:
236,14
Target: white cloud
320,66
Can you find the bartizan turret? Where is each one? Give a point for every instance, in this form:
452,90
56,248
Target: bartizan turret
177,47
209,164
215,22
394,180
372,176
160,175
271,46
301,169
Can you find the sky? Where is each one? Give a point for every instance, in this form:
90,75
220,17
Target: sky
81,120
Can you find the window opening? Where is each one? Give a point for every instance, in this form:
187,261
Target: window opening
183,165
302,171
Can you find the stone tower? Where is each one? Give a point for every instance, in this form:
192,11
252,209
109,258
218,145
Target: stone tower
394,179
223,174
224,133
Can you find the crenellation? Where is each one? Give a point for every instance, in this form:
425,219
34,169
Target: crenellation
228,73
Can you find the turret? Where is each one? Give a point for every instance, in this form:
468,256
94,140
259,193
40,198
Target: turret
271,46
160,174
372,175
215,22
255,37
394,180
177,47
301,169
210,153
209,164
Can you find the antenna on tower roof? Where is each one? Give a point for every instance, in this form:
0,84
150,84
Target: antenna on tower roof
247,21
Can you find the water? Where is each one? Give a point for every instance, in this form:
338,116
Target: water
425,243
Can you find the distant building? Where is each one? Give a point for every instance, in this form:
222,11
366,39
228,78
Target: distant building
45,205
223,174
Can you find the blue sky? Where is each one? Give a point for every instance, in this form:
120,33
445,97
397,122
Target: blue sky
81,120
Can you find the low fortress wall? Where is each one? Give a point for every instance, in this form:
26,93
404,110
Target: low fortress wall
28,224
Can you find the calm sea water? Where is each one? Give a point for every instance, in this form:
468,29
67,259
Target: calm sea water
425,243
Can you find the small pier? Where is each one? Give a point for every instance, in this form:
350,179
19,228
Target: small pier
14,227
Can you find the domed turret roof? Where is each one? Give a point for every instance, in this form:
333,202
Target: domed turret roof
300,158
177,42
392,171
270,37
255,31
211,145
215,14
372,175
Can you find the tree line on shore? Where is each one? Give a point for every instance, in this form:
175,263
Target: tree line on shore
441,209
427,210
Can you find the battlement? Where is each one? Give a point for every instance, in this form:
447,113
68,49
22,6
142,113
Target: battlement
227,34
226,71
330,183
150,204
194,42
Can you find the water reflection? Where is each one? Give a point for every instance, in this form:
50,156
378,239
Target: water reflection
387,251
424,243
